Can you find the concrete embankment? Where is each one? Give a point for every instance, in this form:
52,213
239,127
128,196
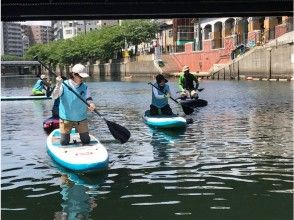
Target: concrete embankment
274,61
140,66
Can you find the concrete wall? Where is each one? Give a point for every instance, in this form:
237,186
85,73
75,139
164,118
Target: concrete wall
263,62
268,63
137,68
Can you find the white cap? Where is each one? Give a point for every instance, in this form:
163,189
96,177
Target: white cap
43,76
81,70
185,68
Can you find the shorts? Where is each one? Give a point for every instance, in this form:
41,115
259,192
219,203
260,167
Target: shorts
66,126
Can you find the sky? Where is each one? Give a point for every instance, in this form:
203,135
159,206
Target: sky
44,23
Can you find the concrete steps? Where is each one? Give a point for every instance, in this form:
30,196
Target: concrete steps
170,66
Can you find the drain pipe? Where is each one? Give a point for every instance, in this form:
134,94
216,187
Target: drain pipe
270,62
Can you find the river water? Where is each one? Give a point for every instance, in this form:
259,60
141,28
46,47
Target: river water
235,161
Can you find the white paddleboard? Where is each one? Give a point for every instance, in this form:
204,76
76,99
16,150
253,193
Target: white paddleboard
77,156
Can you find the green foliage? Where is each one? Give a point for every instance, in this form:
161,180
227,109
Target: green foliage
11,58
101,44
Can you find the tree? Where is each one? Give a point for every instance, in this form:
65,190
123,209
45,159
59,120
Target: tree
100,44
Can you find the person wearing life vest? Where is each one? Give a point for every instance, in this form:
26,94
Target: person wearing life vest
186,84
41,85
72,111
159,99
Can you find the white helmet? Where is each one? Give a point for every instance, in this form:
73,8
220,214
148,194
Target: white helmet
81,70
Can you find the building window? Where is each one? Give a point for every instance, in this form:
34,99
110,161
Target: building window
68,32
170,33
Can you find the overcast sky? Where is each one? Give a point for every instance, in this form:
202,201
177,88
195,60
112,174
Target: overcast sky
44,23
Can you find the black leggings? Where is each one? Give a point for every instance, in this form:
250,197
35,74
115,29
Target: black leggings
165,110
65,138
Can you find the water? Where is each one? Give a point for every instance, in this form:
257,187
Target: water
234,162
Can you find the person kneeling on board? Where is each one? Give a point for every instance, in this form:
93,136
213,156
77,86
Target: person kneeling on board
40,85
186,84
72,111
159,99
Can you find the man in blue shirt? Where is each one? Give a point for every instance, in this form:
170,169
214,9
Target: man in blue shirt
159,99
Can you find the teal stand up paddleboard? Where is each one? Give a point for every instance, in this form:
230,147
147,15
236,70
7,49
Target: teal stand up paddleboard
77,156
164,121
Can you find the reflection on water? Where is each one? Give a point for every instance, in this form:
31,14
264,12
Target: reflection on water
79,194
235,161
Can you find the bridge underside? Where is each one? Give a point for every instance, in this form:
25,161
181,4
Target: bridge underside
22,10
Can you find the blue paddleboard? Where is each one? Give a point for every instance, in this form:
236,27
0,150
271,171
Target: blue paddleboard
163,121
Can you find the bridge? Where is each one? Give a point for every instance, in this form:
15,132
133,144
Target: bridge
20,67
16,10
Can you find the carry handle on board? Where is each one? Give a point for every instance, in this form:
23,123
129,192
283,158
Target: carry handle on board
186,109
118,132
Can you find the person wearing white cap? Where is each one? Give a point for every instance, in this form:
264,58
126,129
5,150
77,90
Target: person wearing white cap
72,111
41,85
186,84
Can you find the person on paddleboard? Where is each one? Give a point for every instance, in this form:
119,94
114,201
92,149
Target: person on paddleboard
186,84
159,99
41,85
72,111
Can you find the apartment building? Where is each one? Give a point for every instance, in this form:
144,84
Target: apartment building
38,34
12,43
69,29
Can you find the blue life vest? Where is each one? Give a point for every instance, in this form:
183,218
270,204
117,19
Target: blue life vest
71,108
39,85
159,103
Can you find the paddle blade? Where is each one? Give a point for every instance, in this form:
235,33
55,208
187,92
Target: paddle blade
187,109
119,132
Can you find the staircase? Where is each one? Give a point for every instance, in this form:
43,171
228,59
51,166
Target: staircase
170,65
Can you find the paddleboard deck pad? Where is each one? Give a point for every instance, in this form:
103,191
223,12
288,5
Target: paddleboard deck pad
163,121
77,156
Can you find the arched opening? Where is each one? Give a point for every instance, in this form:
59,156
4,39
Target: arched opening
229,27
218,36
279,20
244,31
207,32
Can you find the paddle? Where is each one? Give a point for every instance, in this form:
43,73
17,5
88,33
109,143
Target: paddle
118,132
187,109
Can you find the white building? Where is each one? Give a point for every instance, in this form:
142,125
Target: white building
69,29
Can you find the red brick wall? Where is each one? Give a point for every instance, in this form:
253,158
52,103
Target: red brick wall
203,60
254,37
189,47
280,30
229,45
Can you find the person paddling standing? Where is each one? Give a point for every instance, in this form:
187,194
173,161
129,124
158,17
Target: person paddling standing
72,111
159,99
